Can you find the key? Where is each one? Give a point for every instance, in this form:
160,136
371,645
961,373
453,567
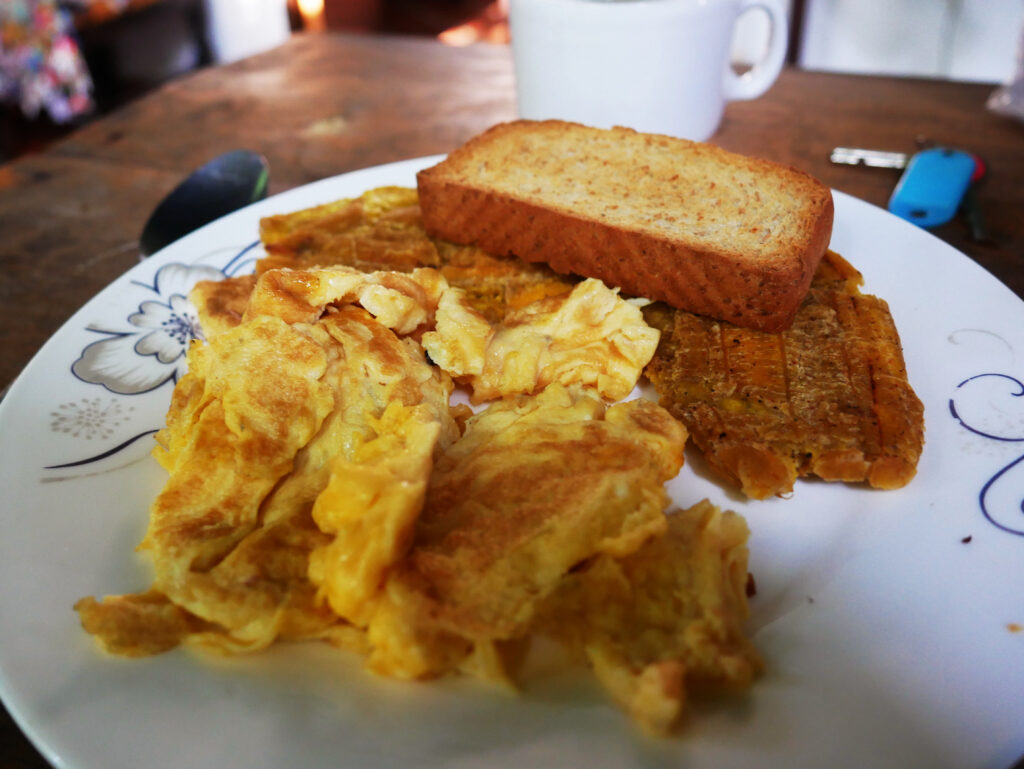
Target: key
852,156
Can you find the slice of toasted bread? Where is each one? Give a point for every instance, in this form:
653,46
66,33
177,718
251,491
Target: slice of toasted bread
703,229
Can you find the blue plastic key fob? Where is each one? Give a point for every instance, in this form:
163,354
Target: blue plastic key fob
932,186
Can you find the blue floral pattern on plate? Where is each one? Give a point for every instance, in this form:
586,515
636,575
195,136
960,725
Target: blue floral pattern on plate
144,353
151,350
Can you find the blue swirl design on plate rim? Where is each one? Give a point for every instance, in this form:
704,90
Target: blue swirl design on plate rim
993,516
158,334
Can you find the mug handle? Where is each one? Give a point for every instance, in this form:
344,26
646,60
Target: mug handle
752,84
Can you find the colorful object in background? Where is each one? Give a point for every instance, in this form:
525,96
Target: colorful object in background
932,186
41,66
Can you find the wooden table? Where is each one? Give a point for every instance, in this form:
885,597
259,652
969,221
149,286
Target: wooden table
322,105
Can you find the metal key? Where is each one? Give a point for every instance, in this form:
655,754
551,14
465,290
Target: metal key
852,156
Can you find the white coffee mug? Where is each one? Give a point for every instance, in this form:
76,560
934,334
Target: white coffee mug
659,66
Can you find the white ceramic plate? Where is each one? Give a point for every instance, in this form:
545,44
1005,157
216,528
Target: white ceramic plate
887,619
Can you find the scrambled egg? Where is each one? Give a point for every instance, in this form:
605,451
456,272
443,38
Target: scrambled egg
535,487
370,506
251,434
321,486
669,613
589,336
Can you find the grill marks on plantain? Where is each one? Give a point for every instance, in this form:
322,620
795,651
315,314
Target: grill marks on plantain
827,397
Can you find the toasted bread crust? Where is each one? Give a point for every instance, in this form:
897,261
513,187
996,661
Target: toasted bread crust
748,278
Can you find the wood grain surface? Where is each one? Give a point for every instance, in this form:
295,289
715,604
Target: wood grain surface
325,104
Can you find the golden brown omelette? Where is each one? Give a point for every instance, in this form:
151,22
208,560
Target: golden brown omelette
251,434
321,485
535,486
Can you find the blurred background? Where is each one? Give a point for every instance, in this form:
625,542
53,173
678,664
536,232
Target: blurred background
63,62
